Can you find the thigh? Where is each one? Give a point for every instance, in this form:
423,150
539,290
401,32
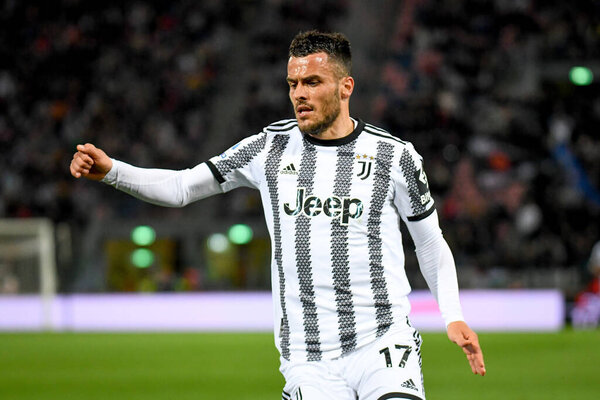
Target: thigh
314,381
391,368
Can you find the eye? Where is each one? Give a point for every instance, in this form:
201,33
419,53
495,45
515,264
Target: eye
313,83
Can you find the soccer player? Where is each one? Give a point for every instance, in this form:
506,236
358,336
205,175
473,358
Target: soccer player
334,190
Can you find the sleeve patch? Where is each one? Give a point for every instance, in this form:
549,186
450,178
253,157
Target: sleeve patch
417,184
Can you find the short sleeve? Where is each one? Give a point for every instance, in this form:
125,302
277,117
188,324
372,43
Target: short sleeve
237,166
412,197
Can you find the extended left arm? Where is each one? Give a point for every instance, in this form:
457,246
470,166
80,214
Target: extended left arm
437,266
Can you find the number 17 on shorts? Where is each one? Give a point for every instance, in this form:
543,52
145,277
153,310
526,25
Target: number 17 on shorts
392,369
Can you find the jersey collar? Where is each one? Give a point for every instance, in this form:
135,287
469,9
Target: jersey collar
337,142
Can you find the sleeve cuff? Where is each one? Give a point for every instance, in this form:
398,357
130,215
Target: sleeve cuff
111,176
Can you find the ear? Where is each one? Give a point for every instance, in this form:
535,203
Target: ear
346,87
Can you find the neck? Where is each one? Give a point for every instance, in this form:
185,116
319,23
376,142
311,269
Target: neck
341,127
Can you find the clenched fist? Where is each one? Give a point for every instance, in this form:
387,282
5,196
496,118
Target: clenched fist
90,162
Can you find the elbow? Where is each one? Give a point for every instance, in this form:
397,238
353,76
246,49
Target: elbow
181,202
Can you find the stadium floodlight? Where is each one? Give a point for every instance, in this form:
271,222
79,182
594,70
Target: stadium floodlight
218,243
581,76
143,235
240,234
142,258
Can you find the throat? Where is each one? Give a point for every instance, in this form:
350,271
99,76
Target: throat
335,129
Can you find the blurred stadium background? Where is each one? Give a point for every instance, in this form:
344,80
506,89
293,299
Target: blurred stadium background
501,97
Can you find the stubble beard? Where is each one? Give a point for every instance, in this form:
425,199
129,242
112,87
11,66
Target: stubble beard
331,111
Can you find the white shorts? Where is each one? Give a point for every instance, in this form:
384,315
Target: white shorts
389,368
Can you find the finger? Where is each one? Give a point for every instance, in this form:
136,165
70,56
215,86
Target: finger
473,363
81,162
89,149
479,363
478,366
86,147
481,369
86,158
475,357
80,166
75,173
80,159
473,367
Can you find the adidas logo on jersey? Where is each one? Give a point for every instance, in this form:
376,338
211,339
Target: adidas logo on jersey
289,170
409,384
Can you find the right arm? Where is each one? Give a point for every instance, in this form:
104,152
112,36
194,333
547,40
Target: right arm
162,187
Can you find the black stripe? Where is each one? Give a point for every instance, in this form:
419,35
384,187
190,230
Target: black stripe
407,164
386,136
418,341
215,172
303,258
282,122
398,395
381,182
339,251
422,216
282,129
282,125
272,165
376,129
242,156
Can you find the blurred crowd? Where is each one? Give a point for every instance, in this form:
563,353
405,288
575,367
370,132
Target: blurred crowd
134,79
510,145
480,88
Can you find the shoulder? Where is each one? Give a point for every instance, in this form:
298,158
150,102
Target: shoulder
379,133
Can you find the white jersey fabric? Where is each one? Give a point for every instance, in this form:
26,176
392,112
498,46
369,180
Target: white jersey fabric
333,210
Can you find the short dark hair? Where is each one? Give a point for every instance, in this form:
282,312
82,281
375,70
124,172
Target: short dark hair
335,45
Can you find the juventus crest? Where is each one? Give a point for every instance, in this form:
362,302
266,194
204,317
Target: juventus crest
366,163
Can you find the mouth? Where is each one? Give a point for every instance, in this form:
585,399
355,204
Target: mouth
303,110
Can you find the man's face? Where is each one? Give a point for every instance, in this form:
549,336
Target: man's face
314,92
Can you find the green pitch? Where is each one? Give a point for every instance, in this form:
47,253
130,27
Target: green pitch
244,367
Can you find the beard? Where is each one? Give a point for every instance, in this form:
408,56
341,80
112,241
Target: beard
331,111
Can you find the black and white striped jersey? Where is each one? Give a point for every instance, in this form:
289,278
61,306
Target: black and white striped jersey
333,209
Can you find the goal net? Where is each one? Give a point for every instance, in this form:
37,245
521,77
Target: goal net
28,263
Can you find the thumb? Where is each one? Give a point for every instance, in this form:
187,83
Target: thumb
86,148
459,333
460,338
90,150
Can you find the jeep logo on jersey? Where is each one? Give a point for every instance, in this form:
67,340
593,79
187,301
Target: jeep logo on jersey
423,186
333,207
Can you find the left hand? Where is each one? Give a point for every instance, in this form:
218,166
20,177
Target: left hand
460,333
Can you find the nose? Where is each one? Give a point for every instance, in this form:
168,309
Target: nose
300,92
